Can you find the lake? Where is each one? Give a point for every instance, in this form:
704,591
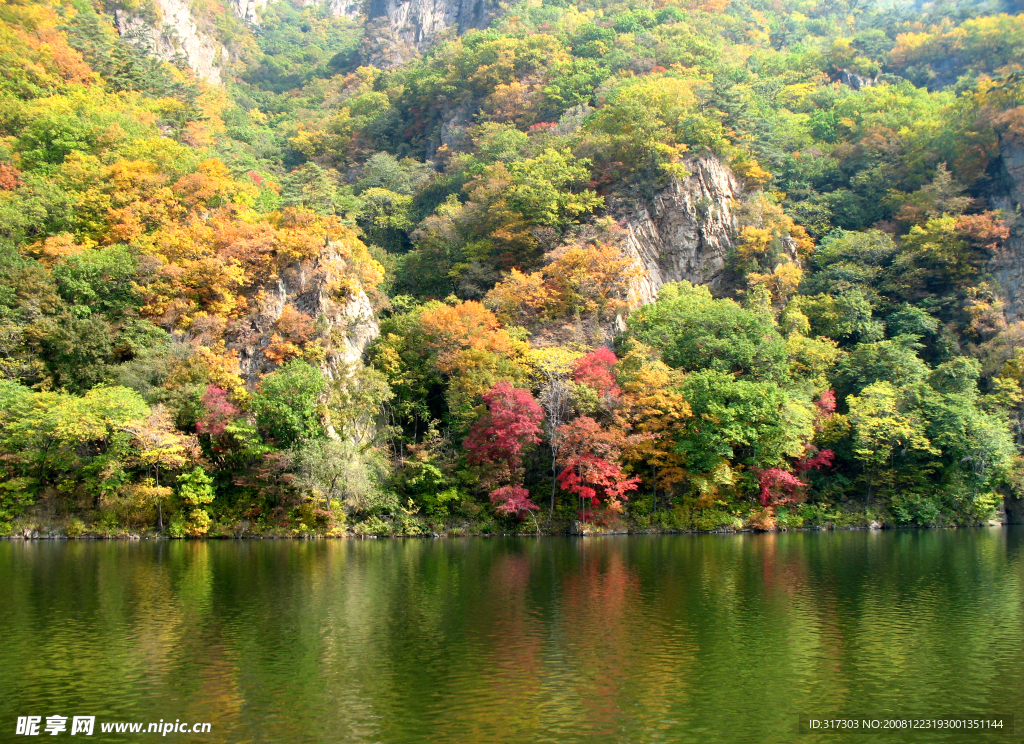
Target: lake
670,638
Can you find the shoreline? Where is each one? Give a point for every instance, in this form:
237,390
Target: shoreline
132,537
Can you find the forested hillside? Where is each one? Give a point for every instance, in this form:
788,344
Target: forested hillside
289,269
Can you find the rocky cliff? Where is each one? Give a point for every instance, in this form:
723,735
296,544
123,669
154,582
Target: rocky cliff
420,21
412,22
854,80
685,231
1008,265
248,10
175,33
310,302
396,29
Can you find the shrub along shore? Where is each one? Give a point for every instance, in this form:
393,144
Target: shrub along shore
837,520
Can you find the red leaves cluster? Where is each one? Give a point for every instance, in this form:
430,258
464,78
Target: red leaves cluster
595,371
826,404
815,460
513,500
496,441
512,421
218,412
772,481
986,229
9,177
589,454
825,408
595,479
780,486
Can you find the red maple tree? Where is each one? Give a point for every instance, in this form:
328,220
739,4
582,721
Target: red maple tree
589,454
495,444
596,371
512,422
218,412
513,500
778,486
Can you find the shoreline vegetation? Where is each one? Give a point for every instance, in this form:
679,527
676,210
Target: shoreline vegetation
842,521
700,266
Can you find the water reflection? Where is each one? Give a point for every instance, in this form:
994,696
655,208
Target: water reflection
670,638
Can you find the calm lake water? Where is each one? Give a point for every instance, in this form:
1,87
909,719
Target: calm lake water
674,638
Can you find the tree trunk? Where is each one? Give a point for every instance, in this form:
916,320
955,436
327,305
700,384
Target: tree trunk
554,486
159,505
654,487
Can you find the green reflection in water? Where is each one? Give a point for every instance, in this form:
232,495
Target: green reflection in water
631,639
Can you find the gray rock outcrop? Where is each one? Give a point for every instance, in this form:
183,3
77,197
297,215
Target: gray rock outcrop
397,29
1013,509
415,23
855,80
419,21
343,321
1008,265
248,10
685,231
176,34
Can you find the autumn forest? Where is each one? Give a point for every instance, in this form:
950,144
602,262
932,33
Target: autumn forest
583,266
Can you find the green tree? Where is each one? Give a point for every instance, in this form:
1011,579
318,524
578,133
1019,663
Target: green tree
84,444
893,360
98,281
196,492
845,318
76,350
740,422
343,474
545,189
694,331
884,434
287,403
847,260
385,218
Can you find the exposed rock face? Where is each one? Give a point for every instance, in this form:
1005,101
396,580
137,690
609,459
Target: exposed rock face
456,122
1013,510
397,29
685,231
248,10
418,21
854,80
176,33
399,23
344,321
1008,266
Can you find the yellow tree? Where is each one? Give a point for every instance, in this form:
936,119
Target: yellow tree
552,369
472,350
651,407
159,445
